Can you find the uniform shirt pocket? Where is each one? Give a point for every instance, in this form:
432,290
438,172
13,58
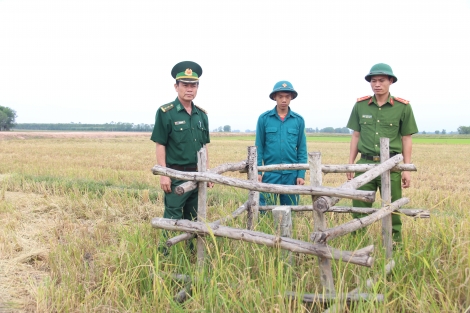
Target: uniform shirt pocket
201,132
271,134
367,123
181,133
390,128
292,135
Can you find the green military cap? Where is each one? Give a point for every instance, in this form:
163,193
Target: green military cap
283,86
187,71
381,69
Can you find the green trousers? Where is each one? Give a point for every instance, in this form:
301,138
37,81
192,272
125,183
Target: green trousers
395,183
180,207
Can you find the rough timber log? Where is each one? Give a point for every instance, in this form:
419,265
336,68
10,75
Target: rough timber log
253,196
319,220
322,204
186,236
337,168
201,203
360,257
367,196
417,213
357,223
343,297
228,167
386,195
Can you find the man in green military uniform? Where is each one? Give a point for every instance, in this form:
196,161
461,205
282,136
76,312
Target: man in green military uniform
181,129
382,115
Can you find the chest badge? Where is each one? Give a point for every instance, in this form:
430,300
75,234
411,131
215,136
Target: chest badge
180,122
367,116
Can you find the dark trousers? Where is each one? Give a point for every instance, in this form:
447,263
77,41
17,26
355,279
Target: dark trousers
180,207
395,183
280,179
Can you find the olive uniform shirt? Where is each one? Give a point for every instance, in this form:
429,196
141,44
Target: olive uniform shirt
183,135
393,120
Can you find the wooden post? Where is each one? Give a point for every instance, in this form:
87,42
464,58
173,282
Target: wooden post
201,203
253,196
283,226
386,198
326,275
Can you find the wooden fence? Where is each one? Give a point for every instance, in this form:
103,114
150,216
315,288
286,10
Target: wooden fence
323,201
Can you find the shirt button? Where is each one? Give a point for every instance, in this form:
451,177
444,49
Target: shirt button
378,121
376,145
194,139
380,108
390,124
376,133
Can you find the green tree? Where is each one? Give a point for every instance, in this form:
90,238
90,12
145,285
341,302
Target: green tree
436,132
464,130
227,129
327,130
443,132
7,118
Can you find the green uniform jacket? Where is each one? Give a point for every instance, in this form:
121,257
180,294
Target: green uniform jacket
393,120
181,134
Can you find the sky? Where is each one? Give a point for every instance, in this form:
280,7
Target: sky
103,61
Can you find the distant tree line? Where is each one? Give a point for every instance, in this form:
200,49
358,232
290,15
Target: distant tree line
121,127
331,130
464,130
7,118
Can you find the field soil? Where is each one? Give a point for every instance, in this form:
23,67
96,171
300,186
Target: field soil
47,134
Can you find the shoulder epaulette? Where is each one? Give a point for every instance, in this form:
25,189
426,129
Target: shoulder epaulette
401,100
167,107
363,98
201,109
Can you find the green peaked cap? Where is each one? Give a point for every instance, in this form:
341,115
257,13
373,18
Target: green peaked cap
187,71
381,69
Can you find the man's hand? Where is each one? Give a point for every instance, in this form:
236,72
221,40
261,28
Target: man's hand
210,184
260,178
350,175
300,181
165,184
406,179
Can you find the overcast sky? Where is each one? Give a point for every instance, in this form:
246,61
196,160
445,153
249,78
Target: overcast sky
101,61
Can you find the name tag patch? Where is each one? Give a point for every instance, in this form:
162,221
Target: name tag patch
367,116
180,122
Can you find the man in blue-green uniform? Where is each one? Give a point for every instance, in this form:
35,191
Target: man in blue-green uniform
280,139
382,115
181,129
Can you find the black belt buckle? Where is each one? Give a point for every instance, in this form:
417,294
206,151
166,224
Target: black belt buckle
376,158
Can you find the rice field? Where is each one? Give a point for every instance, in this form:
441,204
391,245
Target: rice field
76,236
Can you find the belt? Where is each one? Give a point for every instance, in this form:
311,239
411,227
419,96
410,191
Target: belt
375,158
184,168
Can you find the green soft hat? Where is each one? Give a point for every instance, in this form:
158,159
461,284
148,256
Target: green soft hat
283,86
381,69
187,71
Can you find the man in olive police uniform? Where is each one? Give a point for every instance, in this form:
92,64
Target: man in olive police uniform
382,115
181,129
280,139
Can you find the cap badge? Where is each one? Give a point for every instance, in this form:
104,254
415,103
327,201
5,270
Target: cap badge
284,85
188,72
